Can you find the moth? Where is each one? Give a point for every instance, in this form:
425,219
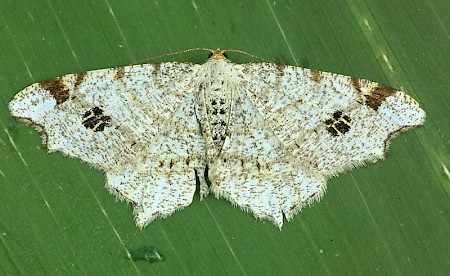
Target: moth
264,136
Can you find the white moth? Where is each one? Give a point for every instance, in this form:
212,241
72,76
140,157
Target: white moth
268,136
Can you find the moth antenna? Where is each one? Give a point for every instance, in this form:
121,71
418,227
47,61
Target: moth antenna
171,54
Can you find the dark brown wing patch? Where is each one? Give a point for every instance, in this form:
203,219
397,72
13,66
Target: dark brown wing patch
57,89
378,95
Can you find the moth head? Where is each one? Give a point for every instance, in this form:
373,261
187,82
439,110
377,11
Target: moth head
218,55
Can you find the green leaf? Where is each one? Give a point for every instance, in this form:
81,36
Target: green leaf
392,217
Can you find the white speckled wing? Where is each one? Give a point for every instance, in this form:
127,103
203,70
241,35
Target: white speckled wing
257,173
329,122
104,117
161,179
